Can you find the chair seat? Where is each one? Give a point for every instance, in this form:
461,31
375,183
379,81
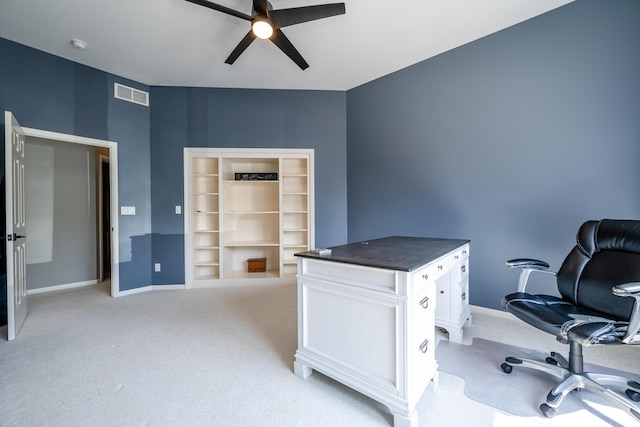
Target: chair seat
598,302
566,321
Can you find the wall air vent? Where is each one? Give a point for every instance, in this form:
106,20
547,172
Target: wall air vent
130,94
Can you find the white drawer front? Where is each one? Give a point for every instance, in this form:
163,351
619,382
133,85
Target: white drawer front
367,277
429,273
460,271
422,359
464,251
464,295
422,307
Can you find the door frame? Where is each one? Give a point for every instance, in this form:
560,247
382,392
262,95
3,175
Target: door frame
113,194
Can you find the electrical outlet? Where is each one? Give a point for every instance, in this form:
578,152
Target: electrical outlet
178,209
156,267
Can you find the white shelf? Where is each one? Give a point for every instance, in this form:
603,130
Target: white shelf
235,275
251,212
229,221
251,182
233,244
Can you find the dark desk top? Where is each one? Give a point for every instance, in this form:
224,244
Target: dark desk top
394,253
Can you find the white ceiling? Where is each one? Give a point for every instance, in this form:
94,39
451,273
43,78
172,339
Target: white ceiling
176,43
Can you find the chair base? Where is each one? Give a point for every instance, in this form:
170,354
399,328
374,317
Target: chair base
599,383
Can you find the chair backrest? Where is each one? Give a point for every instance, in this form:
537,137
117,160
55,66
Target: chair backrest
607,253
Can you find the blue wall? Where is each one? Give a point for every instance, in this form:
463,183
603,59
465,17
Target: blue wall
53,94
200,117
129,125
50,93
511,141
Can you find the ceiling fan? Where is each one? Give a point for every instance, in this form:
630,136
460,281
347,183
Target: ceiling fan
266,24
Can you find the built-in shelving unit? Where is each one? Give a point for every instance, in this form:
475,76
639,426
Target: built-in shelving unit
205,202
295,211
242,204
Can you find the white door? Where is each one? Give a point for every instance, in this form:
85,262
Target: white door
16,237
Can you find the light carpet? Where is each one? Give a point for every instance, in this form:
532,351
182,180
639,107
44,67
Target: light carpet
522,391
209,357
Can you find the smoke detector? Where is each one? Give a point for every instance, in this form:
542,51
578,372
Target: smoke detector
78,44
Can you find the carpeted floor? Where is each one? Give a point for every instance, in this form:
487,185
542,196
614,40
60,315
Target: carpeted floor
522,391
217,357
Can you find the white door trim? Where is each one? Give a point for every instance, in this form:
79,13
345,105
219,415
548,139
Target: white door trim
113,175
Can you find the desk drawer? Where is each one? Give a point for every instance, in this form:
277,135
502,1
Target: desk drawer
422,307
462,253
422,358
430,273
461,270
379,279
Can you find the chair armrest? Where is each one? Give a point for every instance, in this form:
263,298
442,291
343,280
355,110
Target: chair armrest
630,290
627,289
527,265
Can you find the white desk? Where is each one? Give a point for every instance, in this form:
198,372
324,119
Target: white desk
367,313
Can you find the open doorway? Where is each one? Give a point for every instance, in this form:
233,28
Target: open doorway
105,194
63,210
104,218
15,213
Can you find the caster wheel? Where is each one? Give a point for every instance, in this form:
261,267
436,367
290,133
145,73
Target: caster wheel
506,368
547,410
551,361
633,395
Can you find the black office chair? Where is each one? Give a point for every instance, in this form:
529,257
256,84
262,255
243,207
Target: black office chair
599,284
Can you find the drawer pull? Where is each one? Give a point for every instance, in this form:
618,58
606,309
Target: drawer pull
464,296
440,267
463,268
424,347
457,256
425,276
425,302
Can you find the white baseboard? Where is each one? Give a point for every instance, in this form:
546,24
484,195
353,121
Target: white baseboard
61,287
149,288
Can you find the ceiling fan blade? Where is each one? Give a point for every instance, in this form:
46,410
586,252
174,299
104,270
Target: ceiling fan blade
280,40
242,46
261,7
296,15
222,9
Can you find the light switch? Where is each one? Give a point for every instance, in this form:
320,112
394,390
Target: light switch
178,209
127,210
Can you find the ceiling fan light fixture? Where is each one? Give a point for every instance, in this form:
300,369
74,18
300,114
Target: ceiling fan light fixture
266,23
262,28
